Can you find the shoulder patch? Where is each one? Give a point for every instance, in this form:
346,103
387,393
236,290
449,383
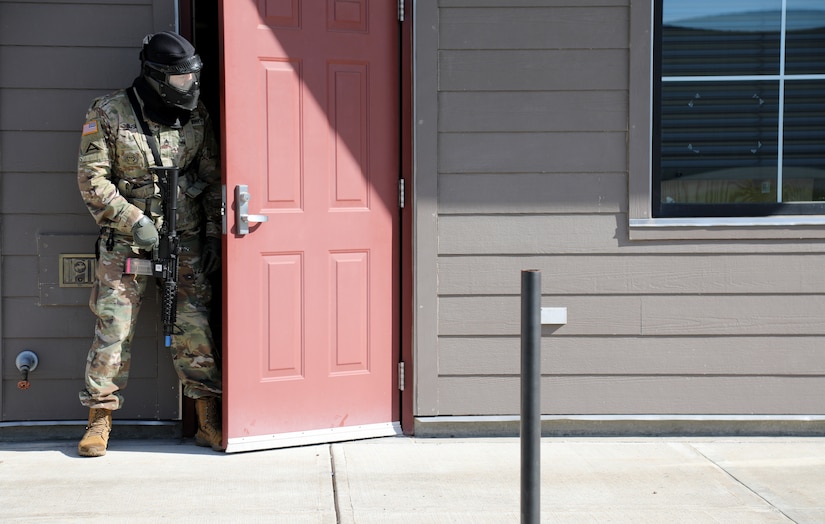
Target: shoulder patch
91,148
90,127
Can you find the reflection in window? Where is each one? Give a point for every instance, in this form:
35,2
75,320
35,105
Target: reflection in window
740,123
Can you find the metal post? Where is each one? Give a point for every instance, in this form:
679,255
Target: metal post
530,396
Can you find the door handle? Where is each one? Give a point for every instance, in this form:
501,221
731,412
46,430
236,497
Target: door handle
242,216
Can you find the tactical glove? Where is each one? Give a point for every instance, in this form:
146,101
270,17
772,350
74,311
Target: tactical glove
211,255
145,233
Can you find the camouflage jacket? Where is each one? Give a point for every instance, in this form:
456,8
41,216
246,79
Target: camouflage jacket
113,167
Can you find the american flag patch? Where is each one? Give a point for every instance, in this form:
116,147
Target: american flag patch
90,127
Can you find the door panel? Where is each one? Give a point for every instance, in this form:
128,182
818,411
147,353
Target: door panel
310,114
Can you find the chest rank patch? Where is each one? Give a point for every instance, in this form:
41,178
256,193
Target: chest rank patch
131,159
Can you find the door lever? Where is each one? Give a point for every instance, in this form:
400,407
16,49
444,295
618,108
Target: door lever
242,216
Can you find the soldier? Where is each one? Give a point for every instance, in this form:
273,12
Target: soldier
117,186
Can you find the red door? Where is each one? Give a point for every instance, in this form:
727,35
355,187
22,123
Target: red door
311,152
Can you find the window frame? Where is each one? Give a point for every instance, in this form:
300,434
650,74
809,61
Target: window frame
641,224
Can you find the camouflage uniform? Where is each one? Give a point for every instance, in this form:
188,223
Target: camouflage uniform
118,189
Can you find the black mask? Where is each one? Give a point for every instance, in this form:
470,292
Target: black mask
172,69
156,109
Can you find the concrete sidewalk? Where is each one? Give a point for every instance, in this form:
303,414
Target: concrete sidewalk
413,480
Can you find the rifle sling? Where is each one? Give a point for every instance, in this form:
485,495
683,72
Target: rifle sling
150,138
195,188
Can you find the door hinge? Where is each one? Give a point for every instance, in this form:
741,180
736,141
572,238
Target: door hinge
401,376
401,195
223,209
400,10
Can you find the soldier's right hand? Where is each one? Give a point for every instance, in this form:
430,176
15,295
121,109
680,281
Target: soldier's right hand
145,233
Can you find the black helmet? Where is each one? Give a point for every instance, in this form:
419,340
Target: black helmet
171,66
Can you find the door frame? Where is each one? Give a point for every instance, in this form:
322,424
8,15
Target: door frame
407,171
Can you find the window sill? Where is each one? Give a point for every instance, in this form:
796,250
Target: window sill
793,227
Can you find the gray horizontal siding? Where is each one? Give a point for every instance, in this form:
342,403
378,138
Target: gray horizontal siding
766,395
594,234
19,314
55,57
67,357
531,152
86,2
145,402
45,109
28,153
18,275
40,24
492,193
20,232
523,112
537,28
532,157
636,355
69,67
532,3
651,315
533,70
621,274
62,340
17,186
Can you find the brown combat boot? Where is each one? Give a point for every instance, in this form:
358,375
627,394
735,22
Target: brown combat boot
209,423
96,439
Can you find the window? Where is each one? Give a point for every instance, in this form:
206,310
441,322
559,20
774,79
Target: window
738,112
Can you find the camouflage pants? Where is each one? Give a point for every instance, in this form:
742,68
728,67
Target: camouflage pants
116,299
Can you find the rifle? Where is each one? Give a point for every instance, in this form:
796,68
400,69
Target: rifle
164,263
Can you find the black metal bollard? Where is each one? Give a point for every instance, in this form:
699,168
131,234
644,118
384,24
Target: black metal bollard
530,396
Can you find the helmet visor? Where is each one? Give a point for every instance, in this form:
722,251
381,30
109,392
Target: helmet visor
183,82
